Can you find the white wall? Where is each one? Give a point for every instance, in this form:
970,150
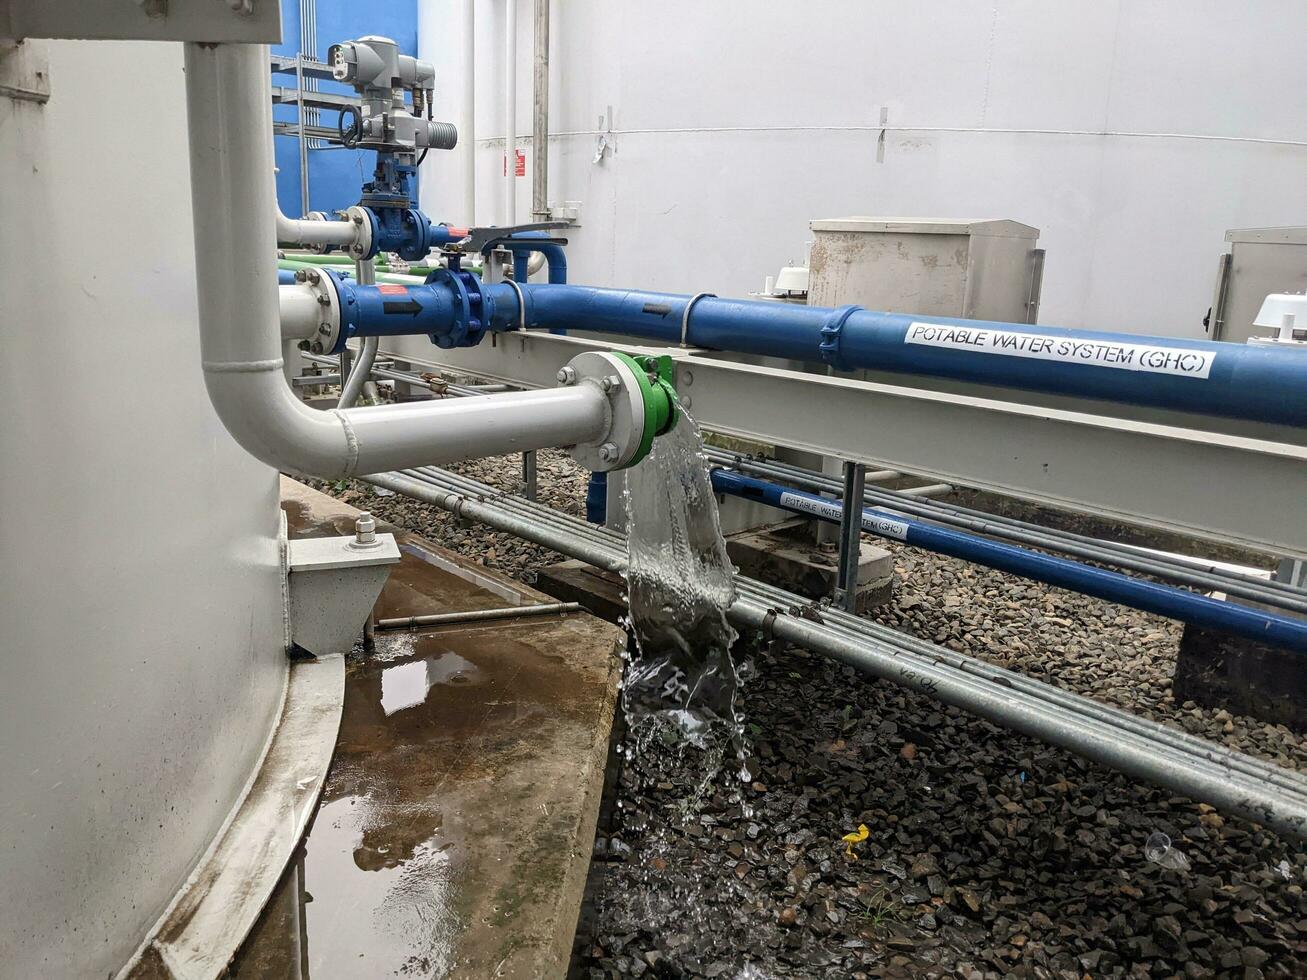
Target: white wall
737,122
141,664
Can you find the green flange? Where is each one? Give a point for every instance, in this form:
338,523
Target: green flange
658,394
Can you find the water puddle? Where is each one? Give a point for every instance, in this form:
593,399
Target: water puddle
407,685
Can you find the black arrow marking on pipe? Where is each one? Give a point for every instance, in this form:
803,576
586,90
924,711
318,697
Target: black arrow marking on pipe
407,306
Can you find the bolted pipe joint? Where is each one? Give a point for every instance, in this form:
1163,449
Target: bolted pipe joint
642,406
310,312
447,308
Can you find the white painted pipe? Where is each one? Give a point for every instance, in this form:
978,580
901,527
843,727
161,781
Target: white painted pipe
540,116
361,373
510,112
469,112
300,311
305,231
229,103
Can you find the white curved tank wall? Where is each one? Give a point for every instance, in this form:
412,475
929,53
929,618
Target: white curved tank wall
738,122
139,591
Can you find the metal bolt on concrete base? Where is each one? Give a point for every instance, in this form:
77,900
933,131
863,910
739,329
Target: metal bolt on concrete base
365,531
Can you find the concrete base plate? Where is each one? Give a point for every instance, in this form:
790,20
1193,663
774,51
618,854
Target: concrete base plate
1218,670
784,555
456,824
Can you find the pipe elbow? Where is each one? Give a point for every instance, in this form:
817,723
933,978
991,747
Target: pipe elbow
268,421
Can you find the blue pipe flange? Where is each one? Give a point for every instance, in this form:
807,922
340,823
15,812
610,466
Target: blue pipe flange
345,307
468,326
831,328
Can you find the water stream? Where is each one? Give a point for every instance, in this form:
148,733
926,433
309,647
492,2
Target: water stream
679,585
685,755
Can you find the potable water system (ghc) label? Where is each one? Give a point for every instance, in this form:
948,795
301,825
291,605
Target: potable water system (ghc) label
1159,359
885,527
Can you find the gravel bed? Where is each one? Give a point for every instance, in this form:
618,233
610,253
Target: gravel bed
987,854
560,483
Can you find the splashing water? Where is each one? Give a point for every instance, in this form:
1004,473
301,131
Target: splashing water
680,584
680,700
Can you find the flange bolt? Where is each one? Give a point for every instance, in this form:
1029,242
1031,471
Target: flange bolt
608,452
567,375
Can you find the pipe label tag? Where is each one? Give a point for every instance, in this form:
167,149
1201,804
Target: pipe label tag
884,527
1155,358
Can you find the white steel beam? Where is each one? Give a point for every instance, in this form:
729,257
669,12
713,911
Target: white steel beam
1212,485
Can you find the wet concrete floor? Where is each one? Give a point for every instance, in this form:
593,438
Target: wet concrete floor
454,833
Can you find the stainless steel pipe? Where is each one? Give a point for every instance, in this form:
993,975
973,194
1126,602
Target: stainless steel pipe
477,615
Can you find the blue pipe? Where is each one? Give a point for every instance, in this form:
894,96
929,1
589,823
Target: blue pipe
1231,380
525,242
596,498
447,308
1162,600
285,277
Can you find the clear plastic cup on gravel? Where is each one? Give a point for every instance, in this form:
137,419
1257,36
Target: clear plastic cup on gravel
1159,851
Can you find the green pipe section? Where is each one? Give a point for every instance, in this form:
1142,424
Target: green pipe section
294,266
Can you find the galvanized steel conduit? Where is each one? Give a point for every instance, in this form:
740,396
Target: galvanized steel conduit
1161,600
1114,718
1188,571
233,199
1142,749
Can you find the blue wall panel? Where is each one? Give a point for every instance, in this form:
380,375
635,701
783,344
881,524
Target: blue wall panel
335,175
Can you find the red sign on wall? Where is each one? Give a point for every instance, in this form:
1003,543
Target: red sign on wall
520,169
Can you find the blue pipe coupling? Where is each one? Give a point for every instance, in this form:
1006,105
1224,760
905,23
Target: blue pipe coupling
448,308
1162,600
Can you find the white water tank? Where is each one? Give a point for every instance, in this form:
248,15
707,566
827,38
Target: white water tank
140,585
